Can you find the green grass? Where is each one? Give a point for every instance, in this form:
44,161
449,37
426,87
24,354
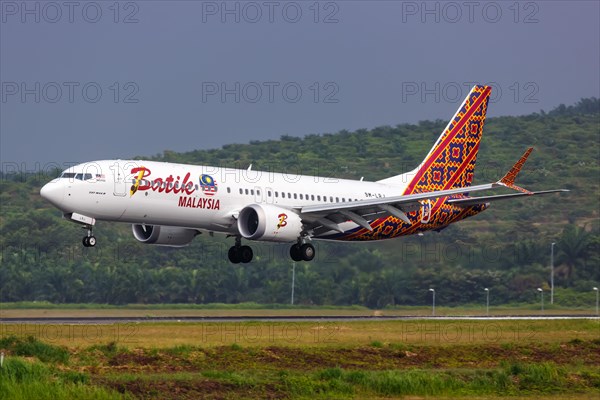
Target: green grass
310,333
387,359
518,379
23,380
32,347
514,379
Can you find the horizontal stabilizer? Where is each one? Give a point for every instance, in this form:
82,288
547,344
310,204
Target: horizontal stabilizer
471,201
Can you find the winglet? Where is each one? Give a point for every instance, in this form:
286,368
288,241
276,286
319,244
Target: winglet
509,179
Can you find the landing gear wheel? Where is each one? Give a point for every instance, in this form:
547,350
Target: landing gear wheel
89,241
234,254
240,254
307,251
246,254
295,253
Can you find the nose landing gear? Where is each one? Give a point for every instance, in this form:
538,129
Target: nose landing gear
89,240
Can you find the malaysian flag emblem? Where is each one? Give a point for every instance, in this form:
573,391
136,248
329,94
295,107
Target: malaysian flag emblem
208,185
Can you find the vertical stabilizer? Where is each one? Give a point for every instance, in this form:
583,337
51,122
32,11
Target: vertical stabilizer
451,161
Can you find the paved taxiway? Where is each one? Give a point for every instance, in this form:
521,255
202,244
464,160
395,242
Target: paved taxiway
113,320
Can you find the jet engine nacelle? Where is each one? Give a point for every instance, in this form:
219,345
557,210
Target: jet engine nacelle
269,223
163,235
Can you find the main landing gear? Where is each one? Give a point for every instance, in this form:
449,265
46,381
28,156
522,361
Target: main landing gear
89,240
240,254
243,254
302,252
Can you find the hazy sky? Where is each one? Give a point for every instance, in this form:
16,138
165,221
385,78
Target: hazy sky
92,80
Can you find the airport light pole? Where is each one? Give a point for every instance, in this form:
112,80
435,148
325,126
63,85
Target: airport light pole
542,293
293,279
432,302
487,301
552,273
596,290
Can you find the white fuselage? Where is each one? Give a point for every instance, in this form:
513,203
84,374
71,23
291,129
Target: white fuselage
175,194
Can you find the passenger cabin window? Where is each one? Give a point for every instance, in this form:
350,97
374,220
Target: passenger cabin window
228,190
241,191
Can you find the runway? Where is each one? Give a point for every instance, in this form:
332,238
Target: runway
344,318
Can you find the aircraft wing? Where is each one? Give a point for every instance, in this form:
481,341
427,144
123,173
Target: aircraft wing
328,216
471,201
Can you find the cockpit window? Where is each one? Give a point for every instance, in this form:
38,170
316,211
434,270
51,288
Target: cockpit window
78,176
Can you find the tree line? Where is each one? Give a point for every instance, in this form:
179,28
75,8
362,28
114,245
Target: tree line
507,248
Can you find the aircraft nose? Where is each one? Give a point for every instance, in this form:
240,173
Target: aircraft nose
53,192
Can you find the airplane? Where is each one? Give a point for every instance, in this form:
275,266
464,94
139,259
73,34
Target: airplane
169,204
